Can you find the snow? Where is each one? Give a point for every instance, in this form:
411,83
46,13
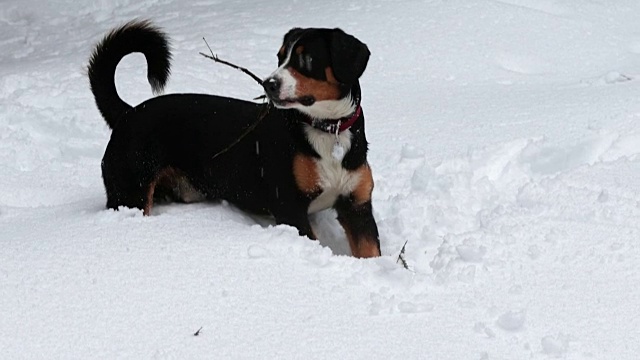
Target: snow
505,147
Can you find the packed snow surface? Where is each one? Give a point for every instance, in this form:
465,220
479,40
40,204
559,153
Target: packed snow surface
505,146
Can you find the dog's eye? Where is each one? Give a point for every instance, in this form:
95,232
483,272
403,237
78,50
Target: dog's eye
305,61
309,60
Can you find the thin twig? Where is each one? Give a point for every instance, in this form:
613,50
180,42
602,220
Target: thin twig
262,115
197,332
249,129
217,59
401,256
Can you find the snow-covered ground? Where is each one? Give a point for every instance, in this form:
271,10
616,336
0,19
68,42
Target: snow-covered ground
505,145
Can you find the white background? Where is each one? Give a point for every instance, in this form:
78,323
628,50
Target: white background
504,140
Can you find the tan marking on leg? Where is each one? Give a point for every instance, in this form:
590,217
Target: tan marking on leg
362,191
320,89
360,247
306,173
149,203
368,248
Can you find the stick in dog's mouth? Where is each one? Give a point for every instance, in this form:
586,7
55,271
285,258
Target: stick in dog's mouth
261,116
217,59
304,100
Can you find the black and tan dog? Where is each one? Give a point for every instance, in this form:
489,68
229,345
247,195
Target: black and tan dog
307,154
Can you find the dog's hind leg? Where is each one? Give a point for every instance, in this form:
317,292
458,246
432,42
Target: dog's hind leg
125,187
139,196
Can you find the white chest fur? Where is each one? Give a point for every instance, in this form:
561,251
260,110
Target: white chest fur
333,179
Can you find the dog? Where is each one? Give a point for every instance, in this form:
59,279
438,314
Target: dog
307,153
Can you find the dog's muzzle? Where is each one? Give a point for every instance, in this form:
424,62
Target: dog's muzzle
272,88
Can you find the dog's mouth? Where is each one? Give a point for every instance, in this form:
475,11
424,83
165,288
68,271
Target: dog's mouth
290,102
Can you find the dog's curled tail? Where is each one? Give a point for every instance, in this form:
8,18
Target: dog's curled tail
135,36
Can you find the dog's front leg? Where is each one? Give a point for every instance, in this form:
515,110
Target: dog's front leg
299,220
359,225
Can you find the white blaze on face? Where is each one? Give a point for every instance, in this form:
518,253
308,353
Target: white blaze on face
287,82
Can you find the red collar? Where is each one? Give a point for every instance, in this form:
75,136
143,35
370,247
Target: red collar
336,126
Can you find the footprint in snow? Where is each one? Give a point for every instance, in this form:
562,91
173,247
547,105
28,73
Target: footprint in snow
555,345
511,320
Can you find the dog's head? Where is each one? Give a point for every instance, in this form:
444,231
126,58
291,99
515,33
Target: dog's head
317,70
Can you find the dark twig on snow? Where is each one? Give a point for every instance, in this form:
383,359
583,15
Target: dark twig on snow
401,256
197,332
217,59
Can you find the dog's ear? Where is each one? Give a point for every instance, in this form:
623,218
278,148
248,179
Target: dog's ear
348,55
292,35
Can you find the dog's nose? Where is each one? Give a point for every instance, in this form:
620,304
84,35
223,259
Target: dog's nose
272,87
